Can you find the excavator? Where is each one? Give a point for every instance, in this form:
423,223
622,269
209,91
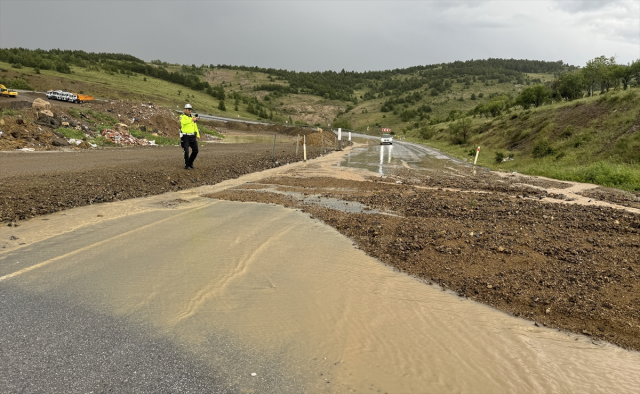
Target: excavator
7,92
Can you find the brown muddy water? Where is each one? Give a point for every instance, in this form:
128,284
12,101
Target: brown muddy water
289,287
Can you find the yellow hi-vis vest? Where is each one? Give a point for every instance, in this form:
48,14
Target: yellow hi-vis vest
187,126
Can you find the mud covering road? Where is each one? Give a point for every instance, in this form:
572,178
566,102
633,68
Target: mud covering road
251,297
505,243
38,183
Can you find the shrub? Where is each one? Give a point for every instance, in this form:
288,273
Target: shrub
426,132
342,123
499,157
19,83
221,106
568,132
542,149
36,70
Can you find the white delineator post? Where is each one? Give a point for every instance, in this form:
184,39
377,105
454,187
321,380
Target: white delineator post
340,133
349,136
476,159
304,147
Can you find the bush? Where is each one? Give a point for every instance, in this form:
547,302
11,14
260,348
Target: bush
342,123
542,149
426,132
499,157
568,132
36,70
221,106
19,83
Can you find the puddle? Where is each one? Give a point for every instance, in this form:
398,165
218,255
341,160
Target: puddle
384,159
316,199
282,286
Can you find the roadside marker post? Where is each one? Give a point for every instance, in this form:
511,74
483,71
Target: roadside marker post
349,136
297,145
273,152
476,159
304,147
339,139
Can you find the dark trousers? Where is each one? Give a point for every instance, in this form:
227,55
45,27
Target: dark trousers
189,141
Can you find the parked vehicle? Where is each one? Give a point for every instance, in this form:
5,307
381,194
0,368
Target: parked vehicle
386,139
66,96
8,92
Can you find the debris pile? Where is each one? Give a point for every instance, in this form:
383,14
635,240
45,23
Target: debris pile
124,138
160,120
322,138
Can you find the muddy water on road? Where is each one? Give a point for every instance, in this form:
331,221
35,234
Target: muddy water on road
288,287
384,159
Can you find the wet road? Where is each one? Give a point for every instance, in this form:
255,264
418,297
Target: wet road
384,159
180,293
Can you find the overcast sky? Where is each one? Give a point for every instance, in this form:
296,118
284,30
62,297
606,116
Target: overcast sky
329,35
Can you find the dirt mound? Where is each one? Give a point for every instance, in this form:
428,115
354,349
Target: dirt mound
40,104
160,120
327,139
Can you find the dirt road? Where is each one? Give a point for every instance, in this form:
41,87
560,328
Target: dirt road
37,183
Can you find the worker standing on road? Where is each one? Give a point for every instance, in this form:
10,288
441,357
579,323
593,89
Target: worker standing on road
189,136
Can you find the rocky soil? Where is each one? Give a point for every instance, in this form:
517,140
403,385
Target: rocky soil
620,197
37,183
570,267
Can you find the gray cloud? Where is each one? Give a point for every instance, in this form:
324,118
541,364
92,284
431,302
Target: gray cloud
576,6
321,35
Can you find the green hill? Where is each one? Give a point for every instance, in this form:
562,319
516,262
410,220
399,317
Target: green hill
594,140
552,118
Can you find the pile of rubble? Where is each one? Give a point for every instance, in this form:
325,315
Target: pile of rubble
124,138
159,120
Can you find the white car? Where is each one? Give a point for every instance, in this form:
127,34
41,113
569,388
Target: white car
386,139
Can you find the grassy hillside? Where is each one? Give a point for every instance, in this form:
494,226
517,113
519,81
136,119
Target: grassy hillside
595,140
591,139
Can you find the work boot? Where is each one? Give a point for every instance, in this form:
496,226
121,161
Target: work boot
187,167
191,166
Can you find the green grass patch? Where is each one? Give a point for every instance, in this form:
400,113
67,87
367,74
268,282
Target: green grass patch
101,117
71,133
204,129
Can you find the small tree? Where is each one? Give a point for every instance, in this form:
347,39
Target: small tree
535,95
461,129
221,106
473,96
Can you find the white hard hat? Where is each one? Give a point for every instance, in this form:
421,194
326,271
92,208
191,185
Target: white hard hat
188,106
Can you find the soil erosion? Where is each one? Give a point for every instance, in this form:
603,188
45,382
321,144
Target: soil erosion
559,264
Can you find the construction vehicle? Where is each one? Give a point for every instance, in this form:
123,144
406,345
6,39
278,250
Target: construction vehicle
66,96
8,92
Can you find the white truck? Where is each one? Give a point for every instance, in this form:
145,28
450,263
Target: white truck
66,96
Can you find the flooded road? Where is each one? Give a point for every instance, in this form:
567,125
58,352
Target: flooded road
236,289
384,159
